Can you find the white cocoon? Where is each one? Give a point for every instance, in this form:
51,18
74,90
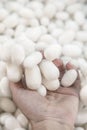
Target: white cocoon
79,128
32,60
14,73
40,46
49,70
72,50
34,33
81,36
7,105
17,54
48,39
11,123
23,121
4,88
52,52
28,45
69,78
5,51
51,85
2,69
33,78
42,90
19,129
3,117
83,95
81,117
11,21
67,37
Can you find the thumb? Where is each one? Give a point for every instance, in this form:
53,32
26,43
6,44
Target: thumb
17,91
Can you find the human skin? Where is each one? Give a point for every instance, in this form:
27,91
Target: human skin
57,110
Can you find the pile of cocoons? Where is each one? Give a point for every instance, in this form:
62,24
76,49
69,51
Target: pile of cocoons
33,33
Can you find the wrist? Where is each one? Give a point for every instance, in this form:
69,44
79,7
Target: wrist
51,125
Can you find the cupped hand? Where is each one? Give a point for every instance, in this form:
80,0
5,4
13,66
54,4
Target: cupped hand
60,105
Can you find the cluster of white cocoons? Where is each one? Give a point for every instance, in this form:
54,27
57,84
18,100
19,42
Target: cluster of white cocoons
33,33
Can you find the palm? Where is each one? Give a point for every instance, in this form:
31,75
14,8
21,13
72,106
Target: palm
61,105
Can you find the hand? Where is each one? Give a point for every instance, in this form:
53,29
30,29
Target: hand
60,105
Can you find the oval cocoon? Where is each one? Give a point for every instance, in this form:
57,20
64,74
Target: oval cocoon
33,78
17,54
69,78
11,123
7,105
14,73
4,87
49,70
83,95
51,85
42,90
23,121
73,50
52,52
33,59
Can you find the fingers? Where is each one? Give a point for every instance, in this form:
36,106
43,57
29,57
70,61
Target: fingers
15,88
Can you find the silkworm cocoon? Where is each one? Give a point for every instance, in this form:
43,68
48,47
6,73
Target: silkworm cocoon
23,121
2,69
17,112
49,10
57,32
7,105
14,73
79,17
62,15
48,39
83,95
69,78
4,87
33,59
49,70
40,46
11,21
42,90
81,36
74,8
81,118
9,32
34,22
3,117
2,28
52,52
17,54
85,52
33,78
26,13
3,14
79,128
27,44
72,50
34,33
67,37
19,129
11,123
45,21
83,66
51,85
72,25
5,51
